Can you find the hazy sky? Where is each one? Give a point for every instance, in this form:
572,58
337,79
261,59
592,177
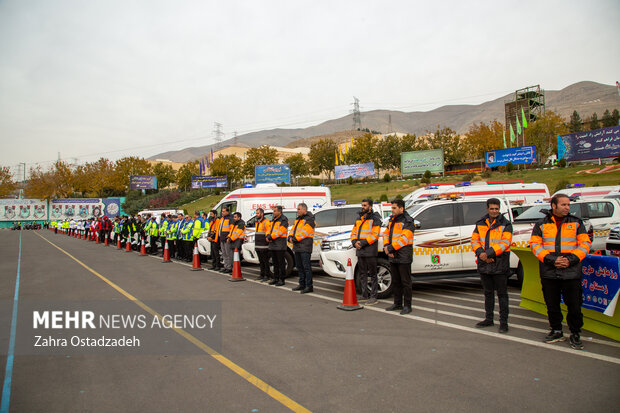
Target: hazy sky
113,78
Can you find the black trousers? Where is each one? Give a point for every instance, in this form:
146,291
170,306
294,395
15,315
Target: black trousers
492,283
171,247
570,290
215,254
263,262
401,279
368,268
189,249
279,264
163,244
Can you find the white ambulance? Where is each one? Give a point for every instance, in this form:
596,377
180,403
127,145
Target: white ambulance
508,191
580,190
266,196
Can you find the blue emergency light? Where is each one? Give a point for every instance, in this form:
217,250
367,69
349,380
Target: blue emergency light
464,184
432,187
248,186
340,202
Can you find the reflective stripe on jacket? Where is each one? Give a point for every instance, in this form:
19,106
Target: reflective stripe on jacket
277,232
262,228
237,231
398,238
197,228
366,230
302,233
494,238
571,241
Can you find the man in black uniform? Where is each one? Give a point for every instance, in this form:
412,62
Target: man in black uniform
261,246
364,237
276,238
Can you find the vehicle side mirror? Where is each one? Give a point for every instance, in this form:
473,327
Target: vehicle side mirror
417,224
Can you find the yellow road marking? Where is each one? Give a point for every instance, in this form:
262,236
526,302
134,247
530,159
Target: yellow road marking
255,381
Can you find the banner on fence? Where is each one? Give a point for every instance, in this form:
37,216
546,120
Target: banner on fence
272,174
84,208
517,156
23,209
209,181
594,144
418,162
358,170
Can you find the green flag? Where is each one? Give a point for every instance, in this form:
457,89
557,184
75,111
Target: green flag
504,138
512,134
518,124
524,119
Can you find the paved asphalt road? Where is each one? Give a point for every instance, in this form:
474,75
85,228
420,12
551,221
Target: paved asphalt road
281,350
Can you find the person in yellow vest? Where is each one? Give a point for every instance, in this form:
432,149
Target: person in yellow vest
364,237
398,246
302,238
560,242
491,241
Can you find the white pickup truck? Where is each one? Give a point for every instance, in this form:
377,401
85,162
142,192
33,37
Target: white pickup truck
441,243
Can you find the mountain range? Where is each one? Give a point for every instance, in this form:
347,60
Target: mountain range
584,97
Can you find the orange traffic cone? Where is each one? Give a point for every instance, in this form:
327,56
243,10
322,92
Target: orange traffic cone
196,260
107,241
128,245
349,302
166,253
97,237
118,242
236,274
142,249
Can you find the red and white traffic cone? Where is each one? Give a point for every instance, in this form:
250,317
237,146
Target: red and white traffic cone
236,273
196,259
106,239
128,245
166,253
349,302
118,243
97,237
143,249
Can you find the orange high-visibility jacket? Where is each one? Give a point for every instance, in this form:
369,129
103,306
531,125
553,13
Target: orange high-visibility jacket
366,230
571,241
493,237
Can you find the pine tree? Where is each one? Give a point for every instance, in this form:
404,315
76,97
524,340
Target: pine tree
607,119
615,115
594,123
575,124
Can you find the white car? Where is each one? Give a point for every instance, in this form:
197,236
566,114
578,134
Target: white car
329,221
612,246
442,243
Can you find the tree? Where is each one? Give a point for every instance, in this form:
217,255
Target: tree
263,155
608,120
615,116
96,179
229,165
165,175
323,156
185,173
451,143
388,152
298,164
364,149
125,167
57,182
543,133
575,123
594,123
482,137
7,185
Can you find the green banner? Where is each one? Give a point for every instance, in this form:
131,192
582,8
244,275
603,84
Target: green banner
418,162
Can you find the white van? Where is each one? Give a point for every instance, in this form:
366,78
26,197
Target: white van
526,193
582,191
422,194
266,196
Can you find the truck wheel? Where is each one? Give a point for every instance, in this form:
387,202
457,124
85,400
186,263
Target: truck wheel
384,280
